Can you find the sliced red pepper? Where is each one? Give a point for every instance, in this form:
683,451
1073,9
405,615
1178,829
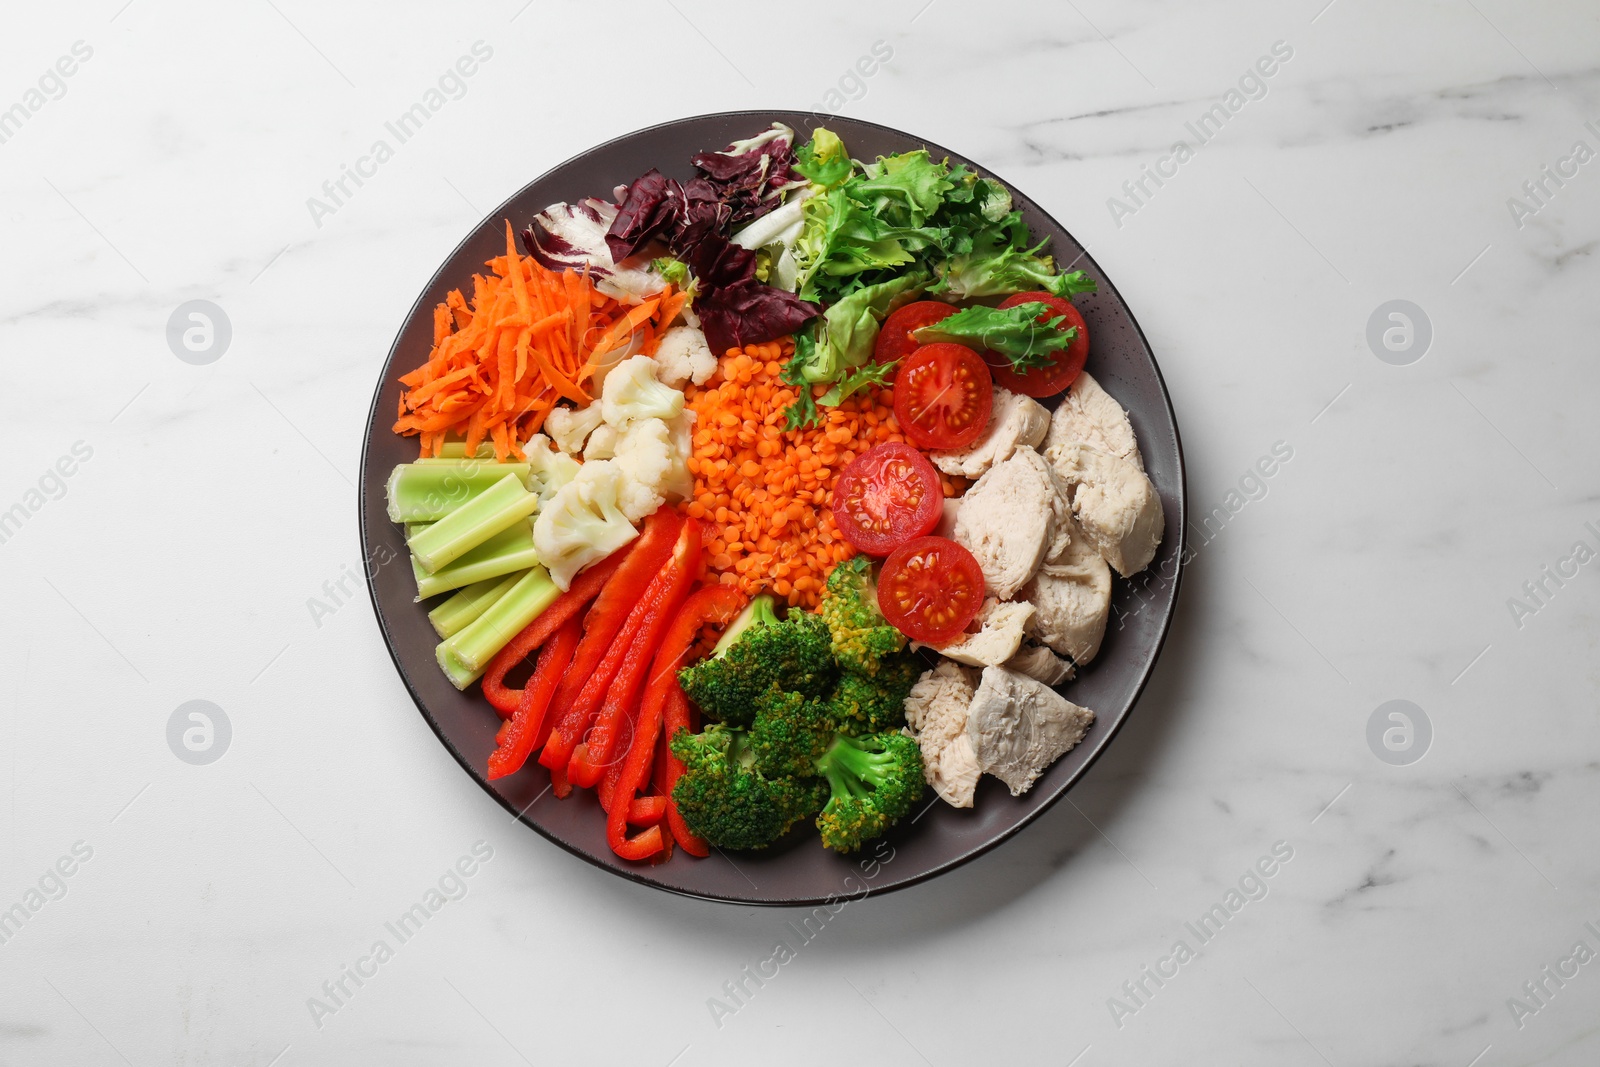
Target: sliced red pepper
522,729
713,604
675,717
605,742
585,587
647,811
559,784
600,626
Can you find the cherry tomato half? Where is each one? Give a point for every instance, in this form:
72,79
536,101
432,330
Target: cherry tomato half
930,589
894,338
887,496
942,396
1068,364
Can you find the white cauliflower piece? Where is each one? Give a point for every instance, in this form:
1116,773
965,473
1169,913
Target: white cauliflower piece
632,392
679,484
602,443
644,456
684,356
570,427
582,523
548,470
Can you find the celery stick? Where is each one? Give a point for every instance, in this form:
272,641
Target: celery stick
470,525
453,615
459,676
475,646
507,551
458,450
425,493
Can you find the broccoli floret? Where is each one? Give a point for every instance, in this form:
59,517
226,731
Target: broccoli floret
790,733
755,653
863,705
724,799
861,636
874,781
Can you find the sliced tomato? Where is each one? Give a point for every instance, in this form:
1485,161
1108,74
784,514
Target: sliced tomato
930,589
942,396
885,497
894,337
1068,363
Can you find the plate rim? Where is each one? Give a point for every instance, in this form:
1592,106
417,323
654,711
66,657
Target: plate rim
639,875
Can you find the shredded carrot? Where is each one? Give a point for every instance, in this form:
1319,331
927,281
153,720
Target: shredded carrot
766,493
500,361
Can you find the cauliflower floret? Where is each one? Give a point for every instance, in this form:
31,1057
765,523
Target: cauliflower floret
582,523
602,443
570,427
632,392
679,484
684,356
644,457
548,470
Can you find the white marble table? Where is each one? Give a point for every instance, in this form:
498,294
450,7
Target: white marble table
210,507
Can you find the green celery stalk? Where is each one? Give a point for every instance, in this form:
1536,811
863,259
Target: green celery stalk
454,614
459,676
495,509
427,492
476,645
458,450
507,551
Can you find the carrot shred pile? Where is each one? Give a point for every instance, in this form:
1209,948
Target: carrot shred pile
766,493
529,338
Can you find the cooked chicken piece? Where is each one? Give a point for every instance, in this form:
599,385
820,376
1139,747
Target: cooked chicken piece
1071,595
1020,726
1114,503
1004,624
1006,521
947,522
1040,664
936,714
1091,415
1065,530
1015,422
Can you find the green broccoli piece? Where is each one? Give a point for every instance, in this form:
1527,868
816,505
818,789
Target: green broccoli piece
757,652
874,781
726,800
861,636
790,733
863,705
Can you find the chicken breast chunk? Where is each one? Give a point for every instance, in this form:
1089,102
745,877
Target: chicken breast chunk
1071,596
1040,664
1090,414
1004,625
1007,521
1015,421
1114,503
1020,726
936,715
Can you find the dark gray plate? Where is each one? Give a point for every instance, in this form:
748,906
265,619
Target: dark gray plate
799,871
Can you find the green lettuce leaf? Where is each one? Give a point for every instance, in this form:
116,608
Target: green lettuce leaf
1014,333
823,159
907,189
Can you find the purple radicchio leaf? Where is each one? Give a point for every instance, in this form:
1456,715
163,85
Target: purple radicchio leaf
572,236
750,313
648,208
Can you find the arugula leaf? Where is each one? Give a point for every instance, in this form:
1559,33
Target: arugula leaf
1015,333
823,159
803,412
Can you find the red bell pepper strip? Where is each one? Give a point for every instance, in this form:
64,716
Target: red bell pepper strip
559,784
605,740
606,617
585,587
647,811
676,717
712,604
522,729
